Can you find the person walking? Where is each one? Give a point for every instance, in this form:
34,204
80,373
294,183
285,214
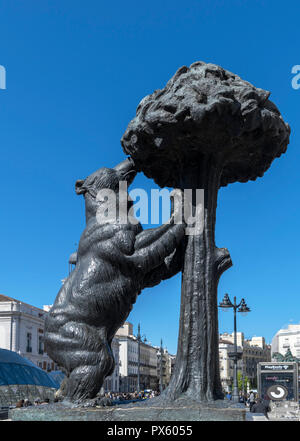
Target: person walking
242,398
261,407
267,403
251,400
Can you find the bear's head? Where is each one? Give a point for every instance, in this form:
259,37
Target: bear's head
104,179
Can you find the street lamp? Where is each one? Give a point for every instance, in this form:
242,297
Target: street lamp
161,387
139,338
243,309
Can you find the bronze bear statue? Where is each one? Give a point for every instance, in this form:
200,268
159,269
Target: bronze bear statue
115,261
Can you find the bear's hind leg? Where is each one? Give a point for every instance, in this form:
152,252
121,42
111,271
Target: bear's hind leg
86,355
89,358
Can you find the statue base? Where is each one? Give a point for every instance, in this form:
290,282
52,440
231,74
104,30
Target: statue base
214,411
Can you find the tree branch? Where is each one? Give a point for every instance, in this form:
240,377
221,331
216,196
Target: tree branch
223,261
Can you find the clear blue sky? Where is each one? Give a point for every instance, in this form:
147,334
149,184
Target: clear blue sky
76,72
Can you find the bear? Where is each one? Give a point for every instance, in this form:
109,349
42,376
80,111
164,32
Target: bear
115,261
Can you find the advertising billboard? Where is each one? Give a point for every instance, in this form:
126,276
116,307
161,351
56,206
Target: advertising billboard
278,381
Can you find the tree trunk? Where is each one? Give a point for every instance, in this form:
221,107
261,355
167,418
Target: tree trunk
196,373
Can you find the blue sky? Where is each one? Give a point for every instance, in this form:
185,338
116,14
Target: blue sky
76,72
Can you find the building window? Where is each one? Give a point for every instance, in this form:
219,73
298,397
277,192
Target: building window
41,345
29,339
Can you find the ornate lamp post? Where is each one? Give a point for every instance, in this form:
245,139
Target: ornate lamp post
139,338
161,381
243,308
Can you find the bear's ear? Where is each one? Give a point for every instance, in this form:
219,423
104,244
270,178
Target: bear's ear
79,188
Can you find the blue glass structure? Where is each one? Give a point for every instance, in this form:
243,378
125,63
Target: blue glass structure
20,379
57,376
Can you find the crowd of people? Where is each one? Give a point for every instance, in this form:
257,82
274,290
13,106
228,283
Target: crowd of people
111,396
26,402
254,402
128,396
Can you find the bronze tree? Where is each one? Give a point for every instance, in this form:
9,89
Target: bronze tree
207,128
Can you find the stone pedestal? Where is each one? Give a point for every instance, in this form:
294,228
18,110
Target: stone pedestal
215,411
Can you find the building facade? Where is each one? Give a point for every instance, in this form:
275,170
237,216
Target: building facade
255,350
226,348
252,352
112,383
128,358
148,366
287,338
129,348
22,331
165,367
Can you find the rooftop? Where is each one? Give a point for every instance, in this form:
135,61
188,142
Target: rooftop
4,298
